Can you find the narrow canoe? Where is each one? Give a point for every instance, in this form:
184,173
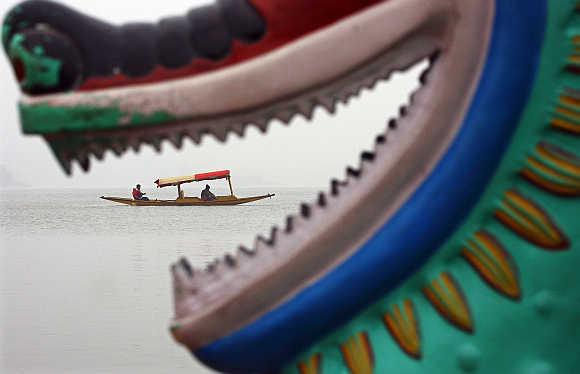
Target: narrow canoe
188,201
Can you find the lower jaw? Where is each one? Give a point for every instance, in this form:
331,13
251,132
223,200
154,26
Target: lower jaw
210,305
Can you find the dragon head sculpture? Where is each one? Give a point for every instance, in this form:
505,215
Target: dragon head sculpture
460,250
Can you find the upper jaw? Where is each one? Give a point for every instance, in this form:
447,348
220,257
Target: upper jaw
289,80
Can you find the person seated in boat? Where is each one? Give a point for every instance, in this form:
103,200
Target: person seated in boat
206,194
137,194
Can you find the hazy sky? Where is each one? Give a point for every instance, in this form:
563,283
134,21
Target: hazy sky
302,154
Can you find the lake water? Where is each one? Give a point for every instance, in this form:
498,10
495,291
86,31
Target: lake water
85,285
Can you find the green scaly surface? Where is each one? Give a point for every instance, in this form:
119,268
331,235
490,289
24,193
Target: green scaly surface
46,119
539,333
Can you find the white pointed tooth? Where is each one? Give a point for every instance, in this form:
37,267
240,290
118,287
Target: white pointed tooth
349,97
220,132
368,156
118,148
273,235
184,263
212,266
328,103
380,141
246,252
156,143
340,97
83,161
351,92
336,185
176,139
194,136
98,151
403,111
352,172
260,243
135,143
239,128
289,224
322,200
368,82
306,108
366,160
305,210
79,153
286,115
182,281
230,261
424,76
262,124
385,75
412,98
65,163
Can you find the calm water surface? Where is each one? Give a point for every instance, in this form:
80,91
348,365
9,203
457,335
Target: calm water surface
85,285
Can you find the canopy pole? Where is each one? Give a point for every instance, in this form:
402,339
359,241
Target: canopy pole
179,190
230,183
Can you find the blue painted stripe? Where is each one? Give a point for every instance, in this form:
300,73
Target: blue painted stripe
424,222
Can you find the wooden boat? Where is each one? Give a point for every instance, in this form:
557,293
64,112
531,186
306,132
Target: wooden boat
191,201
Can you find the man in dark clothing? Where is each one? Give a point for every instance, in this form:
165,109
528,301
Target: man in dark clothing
137,194
206,195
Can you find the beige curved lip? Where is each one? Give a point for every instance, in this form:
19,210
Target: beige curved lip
213,304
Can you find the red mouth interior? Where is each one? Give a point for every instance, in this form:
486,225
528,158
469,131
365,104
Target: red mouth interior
19,70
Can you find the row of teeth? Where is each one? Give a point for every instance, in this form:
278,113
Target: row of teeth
203,281
199,278
82,148
305,212
197,289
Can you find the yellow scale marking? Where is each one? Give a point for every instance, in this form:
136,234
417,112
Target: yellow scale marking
449,301
357,354
403,327
530,222
493,264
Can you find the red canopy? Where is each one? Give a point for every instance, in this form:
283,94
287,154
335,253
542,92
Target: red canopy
192,178
212,175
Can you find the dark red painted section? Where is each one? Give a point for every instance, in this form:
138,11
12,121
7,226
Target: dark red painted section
212,175
287,20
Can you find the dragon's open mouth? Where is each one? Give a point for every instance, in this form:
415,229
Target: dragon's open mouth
474,179
235,290
334,63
